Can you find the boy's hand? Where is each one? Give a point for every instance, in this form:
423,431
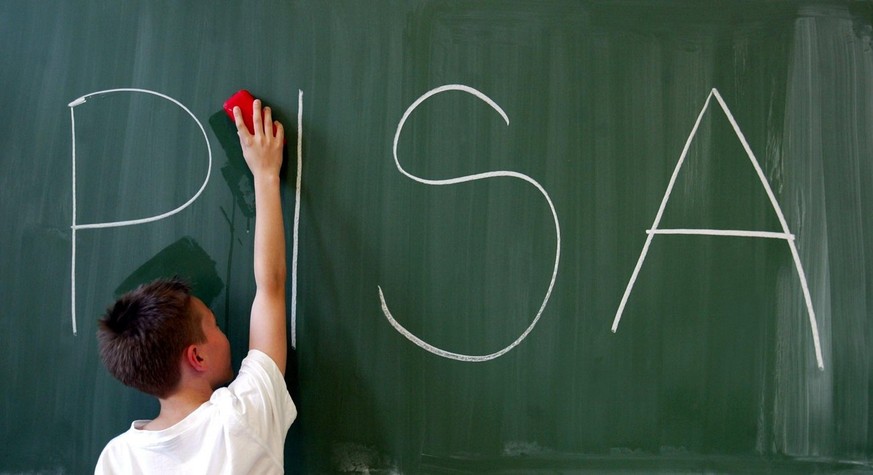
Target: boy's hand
263,150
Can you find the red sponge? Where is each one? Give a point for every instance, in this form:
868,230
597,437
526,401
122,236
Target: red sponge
245,101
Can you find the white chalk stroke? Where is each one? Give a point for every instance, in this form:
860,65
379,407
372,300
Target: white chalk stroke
785,234
114,224
294,239
480,176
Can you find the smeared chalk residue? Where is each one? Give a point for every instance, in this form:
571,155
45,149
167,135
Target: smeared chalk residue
481,176
785,234
76,226
359,458
524,449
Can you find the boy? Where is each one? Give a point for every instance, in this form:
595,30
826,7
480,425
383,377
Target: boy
163,341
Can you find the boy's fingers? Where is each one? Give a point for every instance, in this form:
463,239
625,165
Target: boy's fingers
262,118
280,131
256,117
241,128
268,121
237,117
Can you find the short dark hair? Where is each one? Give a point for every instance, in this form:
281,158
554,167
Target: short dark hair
143,335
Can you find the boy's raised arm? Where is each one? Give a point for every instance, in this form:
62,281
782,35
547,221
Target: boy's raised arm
263,154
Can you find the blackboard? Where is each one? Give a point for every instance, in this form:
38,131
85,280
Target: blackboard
507,181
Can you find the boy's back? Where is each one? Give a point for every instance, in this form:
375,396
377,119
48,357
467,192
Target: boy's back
241,429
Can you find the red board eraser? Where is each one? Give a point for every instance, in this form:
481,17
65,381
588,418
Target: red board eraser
245,101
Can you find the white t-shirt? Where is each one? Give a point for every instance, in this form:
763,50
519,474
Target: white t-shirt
240,430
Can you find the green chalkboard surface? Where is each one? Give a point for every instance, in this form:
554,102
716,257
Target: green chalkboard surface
531,236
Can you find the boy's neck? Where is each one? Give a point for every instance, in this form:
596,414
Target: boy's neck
178,406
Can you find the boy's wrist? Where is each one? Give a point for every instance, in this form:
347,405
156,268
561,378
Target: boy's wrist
267,179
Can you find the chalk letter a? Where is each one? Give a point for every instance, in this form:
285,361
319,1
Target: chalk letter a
785,234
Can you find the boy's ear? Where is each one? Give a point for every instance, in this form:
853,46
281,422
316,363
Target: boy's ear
193,359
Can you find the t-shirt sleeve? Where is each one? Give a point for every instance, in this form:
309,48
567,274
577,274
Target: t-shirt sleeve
261,399
102,467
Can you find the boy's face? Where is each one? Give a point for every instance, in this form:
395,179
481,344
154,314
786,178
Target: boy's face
216,348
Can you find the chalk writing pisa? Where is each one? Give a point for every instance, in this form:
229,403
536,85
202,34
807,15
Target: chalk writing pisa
651,233
76,226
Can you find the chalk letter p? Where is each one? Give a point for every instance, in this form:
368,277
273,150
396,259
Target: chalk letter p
76,226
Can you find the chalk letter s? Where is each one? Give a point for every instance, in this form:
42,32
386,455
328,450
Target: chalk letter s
418,341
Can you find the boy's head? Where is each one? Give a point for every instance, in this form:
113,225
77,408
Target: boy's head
143,336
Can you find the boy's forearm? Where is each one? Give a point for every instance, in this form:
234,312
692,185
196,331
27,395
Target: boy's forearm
269,259
267,331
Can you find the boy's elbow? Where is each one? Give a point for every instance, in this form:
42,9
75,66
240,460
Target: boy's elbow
271,277
272,283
